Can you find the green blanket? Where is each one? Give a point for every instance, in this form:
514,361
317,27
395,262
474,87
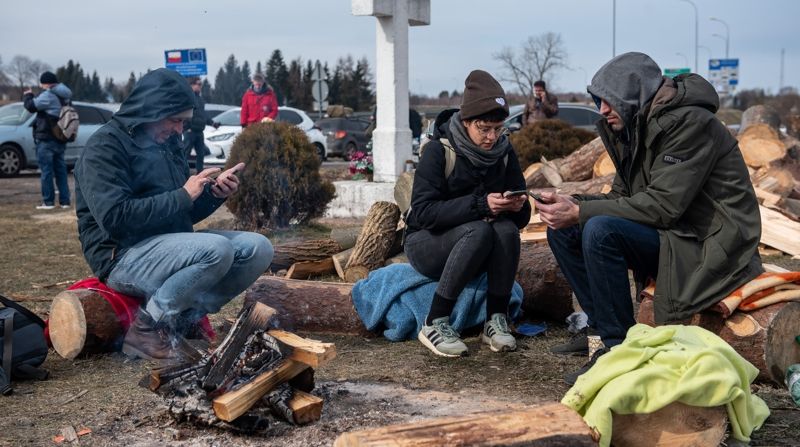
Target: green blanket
654,367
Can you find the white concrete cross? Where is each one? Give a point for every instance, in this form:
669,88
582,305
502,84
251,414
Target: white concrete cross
391,140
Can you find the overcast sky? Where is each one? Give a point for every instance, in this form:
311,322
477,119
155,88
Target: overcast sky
115,37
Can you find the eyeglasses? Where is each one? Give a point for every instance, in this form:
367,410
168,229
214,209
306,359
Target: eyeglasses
485,131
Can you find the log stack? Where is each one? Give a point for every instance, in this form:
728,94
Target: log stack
254,367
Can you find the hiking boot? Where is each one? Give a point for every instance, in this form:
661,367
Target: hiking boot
572,377
150,340
578,344
442,339
496,334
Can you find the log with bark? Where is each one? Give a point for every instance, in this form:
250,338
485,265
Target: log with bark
288,253
375,241
307,269
346,237
308,306
575,167
550,424
677,424
597,185
759,115
82,322
764,337
545,289
604,166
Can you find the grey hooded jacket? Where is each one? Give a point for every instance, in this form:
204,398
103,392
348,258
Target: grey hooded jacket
127,186
680,171
47,107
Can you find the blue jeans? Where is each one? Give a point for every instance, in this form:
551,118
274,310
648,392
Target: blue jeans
50,156
191,274
596,262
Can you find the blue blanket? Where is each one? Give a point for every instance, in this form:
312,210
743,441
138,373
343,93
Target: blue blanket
398,298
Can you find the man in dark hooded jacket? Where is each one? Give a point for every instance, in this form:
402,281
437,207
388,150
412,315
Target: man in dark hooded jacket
681,210
136,205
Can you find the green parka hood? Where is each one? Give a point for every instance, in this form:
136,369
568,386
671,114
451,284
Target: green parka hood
159,94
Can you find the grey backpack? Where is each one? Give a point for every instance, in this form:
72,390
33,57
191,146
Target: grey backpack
23,347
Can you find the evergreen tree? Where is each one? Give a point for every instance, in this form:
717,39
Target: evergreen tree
278,75
362,83
228,83
205,90
94,91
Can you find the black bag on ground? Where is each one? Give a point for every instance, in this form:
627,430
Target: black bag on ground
23,347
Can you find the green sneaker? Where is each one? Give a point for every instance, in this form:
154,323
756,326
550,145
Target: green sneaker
442,339
496,334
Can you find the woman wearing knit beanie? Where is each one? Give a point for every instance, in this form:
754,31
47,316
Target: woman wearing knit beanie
460,224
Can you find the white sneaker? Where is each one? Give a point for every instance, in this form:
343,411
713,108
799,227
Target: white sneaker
66,207
45,207
497,336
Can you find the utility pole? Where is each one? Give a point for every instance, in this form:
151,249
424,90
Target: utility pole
780,84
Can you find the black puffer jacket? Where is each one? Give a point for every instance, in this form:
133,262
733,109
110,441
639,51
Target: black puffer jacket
128,187
439,203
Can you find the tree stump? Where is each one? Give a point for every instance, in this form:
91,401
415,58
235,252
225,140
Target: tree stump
764,337
308,306
677,424
546,291
311,250
82,322
375,241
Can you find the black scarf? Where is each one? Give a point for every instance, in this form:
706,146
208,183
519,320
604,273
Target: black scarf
478,156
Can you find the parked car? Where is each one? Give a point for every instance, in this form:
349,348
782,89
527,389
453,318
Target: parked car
212,110
17,148
579,115
345,136
220,140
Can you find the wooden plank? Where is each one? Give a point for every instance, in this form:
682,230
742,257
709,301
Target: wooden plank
306,407
313,353
778,231
533,236
549,424
235,403
307,269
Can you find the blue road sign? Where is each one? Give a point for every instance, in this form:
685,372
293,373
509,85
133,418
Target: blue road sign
187,62
723,74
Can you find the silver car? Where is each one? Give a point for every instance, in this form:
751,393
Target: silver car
17,148
578,115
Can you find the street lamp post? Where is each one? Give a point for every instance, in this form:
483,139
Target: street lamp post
696,27
727,34
723,38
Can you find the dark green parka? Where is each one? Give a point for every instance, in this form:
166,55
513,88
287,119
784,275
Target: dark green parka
127,186
680,171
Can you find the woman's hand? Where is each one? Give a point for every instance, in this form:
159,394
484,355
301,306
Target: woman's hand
499,204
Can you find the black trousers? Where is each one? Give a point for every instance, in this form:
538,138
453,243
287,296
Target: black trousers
455,256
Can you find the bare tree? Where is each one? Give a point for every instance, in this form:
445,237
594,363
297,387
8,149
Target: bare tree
539,57
4,80
25,71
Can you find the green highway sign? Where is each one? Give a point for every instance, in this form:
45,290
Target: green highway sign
672,72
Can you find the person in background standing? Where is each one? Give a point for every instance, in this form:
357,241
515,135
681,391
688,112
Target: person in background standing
258,102
541,106
49,150
193,135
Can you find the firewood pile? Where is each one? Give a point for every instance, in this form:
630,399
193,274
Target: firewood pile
256,375
773,160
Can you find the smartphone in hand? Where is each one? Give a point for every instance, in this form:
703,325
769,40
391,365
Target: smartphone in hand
520,192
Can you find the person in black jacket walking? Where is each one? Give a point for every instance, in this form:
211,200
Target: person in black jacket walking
193,137
460,223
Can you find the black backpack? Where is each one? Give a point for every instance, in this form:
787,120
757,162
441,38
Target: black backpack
22,344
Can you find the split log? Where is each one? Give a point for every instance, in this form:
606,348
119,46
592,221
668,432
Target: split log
761,144
307,269
546,291
305,407
288,253
778,231
575,167
604,166
597,185
313,353
403,187
530,171
759,115
764,337
309,306
346,237
545,425
774,179
340,261
82,322
376,239
674,425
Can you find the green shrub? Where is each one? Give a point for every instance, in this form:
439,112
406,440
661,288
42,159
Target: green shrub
281,183
552,138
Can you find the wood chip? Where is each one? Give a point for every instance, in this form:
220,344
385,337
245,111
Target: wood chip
58,439
69,433
81,393
84,431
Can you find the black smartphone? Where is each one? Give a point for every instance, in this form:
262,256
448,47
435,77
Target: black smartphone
536,197
520,192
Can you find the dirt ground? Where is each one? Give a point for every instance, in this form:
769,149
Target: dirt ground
371,383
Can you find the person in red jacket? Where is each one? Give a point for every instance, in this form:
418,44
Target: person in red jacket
258,102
